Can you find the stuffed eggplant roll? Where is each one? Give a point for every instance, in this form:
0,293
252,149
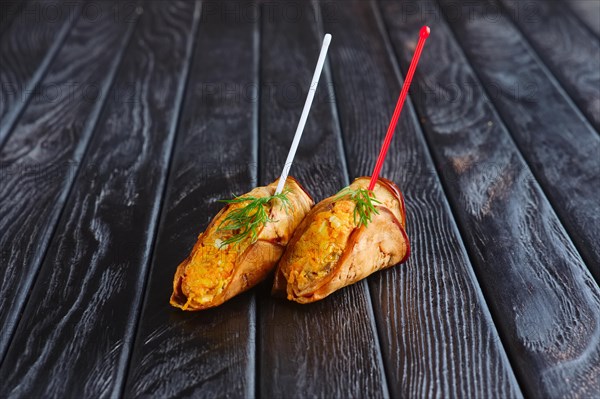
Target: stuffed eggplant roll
241,246
342,240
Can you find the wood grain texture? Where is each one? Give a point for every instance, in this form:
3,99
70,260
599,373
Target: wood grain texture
571,52
76,331
561,148
541,294
437,336
8,10
208,353
40,159
26,49
330,348
587,11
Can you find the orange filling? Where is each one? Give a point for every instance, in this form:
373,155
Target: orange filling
319,248
211,268
208,273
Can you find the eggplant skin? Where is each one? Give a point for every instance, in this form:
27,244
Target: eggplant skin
236,269
366,249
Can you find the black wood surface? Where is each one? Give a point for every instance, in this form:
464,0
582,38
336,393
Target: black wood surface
104,187
541,294
570,50
89,289
299,356
41,157
414,315
208,353
8,10
26,49
561,148
588,11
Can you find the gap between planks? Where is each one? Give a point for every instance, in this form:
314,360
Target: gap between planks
14,114
452,208
577,11
157,214
552,78
385,374
520,376
384,32
254,375
78,156
544,65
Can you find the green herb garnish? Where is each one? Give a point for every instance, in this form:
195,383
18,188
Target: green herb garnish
364,200
247,220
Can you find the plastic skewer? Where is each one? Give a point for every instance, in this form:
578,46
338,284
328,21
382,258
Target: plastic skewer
309,99
423,35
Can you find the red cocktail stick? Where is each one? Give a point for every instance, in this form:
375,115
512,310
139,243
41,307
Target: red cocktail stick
423,35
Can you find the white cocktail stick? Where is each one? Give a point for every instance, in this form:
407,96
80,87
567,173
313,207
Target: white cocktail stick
304,116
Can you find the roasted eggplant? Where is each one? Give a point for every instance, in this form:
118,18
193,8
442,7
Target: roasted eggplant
331,249
218,269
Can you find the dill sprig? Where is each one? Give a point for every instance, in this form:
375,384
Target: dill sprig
247,220
364,200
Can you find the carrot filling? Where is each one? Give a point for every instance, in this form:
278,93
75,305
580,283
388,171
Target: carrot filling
208,273
212,265
319,248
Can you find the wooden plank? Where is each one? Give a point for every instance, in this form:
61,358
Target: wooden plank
571,52
208,353
40,159
432,347
76,332
330,348
561,148
8,11
544,299
587,11
26,49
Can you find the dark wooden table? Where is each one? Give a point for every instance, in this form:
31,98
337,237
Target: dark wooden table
122,123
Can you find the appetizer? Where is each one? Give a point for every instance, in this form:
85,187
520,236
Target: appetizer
357,232
344,239
241,245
